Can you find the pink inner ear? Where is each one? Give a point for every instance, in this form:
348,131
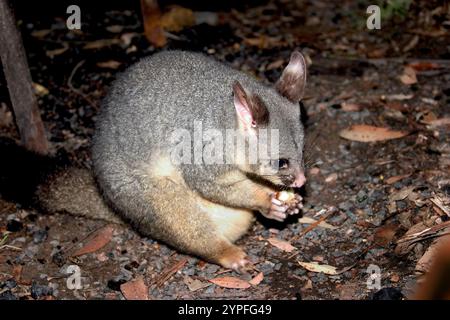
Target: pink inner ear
243,113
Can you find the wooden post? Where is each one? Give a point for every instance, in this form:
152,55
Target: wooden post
20,86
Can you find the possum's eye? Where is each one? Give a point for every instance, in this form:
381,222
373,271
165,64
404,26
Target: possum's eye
283,163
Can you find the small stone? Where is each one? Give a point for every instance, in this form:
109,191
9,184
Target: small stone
9,284
38,291
59,259
39,236
14,225
8,295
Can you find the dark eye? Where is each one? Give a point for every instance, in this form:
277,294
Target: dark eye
283,163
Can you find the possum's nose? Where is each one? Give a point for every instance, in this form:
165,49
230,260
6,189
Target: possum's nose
300,180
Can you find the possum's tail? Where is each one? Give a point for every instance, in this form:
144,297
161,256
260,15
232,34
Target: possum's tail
50,184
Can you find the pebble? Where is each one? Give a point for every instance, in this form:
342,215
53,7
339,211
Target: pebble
38,291
8,295
9,284
39,236
14,225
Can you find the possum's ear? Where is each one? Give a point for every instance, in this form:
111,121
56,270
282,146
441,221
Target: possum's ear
293,79
250,109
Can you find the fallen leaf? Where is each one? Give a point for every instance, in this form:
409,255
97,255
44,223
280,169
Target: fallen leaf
115,28
424,66
323,224
39,89
195,284
441,122
385,234
275,65
281,244
315,267
366,133
257,279
135,289
41,33
331,178
101,238
395,179
151,14
110,64
99,44
58,51
409,76
401,194
399,96
350,107
177,18
231,282
127,38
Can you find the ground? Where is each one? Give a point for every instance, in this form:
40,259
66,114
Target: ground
367,194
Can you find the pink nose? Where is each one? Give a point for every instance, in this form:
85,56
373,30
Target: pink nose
300,180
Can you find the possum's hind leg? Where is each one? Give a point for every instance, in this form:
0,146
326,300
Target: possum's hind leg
168,211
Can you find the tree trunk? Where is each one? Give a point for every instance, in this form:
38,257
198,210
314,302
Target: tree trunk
18,78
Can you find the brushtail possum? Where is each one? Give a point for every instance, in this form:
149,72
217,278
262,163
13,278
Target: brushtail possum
196,207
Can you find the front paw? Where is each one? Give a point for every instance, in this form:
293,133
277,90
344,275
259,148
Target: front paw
295,205
278,210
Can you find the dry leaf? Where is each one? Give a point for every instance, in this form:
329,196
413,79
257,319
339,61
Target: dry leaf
424,65
231,282
177,18
99,44
275,65
57,52
153,31
39,89
399,96
395,179
135,290
409,76
111,64
350,107
384,235
115,28
194,284
401,194
366,133
98,241
331,178
281,244
438,122
257,279
315,267
41,33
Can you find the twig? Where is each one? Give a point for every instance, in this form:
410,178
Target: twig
7,246
166,275
312,226
76,90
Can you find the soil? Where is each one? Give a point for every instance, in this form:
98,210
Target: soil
354,78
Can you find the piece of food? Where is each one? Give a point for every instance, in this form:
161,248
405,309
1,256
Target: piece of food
286,196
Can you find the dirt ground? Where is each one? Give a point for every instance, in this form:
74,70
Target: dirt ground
366,195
